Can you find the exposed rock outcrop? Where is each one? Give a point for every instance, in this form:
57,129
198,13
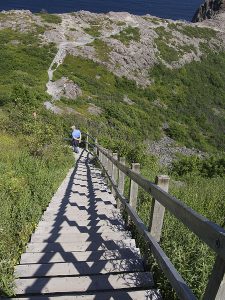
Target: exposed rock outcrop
64,88
209,9
166,150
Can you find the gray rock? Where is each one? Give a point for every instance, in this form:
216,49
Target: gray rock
127,100
166,150
209,9
64,88
94,110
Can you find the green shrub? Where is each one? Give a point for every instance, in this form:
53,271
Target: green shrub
102,49
93,30
27,184
208,167
49,18
127,35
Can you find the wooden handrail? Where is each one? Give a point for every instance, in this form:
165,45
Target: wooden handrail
176,280
209,232
212,234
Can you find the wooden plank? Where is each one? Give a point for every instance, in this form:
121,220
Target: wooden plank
86,142
73,229
79,237
176,280
158,210
121,181
81,223
134,187
216,285
83,217
79,268
82,246
80,212
99,205
42,257
209,232
114,172
83,283
112,295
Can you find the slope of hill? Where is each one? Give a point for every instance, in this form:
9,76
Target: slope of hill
130,81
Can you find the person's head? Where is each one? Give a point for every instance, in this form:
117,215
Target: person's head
73,127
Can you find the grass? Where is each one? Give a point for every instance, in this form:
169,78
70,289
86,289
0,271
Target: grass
102,49
93,30
27,184
198,32
127,35
49,18
24,63
191,257
33,160
166,51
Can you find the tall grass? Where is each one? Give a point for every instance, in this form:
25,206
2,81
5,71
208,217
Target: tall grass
26,186
191,257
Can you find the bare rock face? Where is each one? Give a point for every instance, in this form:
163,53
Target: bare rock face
94,110
64,88
209,9
166,150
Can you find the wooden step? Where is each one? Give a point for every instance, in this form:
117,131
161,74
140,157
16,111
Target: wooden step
73,229
79,268
82,212
112,295
82,217
81,203
82,223
84,206
81,246
83,283
77,237
50,257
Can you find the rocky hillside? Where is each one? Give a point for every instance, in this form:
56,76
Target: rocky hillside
208,10
164,74
144,86
126,44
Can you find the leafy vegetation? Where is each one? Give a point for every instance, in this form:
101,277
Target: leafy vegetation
127,35
33,159
49,18
200,185
93,30
23,62
102,49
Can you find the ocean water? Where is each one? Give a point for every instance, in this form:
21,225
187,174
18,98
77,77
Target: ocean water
171,9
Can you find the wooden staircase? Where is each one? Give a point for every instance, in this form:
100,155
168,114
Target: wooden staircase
81,248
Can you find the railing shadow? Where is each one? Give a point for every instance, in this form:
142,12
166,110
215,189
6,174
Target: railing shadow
59,247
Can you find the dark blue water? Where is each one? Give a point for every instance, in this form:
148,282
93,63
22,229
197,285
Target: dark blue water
172,9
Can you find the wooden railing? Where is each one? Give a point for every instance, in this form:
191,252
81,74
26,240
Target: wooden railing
209,232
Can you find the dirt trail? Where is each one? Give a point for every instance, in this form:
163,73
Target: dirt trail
65,46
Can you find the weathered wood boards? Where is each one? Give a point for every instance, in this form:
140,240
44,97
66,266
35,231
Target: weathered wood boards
81,248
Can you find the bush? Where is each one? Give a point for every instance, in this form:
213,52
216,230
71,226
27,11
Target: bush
209,167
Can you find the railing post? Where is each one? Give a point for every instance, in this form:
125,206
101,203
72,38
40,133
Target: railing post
121,181
96,149
110,164
100,156
106,160
86,145
216,285
114,172
158,210
133,189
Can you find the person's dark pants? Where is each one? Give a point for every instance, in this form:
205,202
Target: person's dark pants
75,146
